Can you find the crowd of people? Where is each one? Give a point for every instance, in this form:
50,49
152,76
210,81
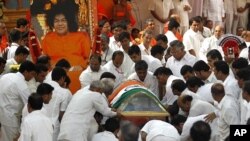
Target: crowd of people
63,94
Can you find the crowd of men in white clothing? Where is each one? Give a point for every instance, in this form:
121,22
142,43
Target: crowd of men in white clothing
203,88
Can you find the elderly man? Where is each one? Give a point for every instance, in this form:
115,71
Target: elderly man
80,112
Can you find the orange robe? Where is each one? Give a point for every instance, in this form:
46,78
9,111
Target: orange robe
75,47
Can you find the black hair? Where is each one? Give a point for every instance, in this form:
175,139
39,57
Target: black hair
201,66
44,89
218,89
41,68
163,70
187,98
43,59
21,22
102,22
185,69
161,37
112,124
2,60
96,57
63,63
214,54
176,44
118,24
58,73
194,81
173,24
118,52
178,119
200,131
196,19
35,101
246,87
141,65
15,35
157,49
27,66
134,49
179,85
124,35
243,74
222,66
240,63
21,50
107,75
69,9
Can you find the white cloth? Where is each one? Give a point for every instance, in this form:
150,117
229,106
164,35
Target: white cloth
114,45
184,18
143,49
152,62
107,55
231,87
48,77
104,136
248,112
162,9
176,65
58,103
12,49
192,40
150,81
209,44
33,84
169,98
127,65
171,37
79,113
8,64
118,72
244,53
88,76
212,78
214,10
155,128
197,8
13,95
191,120
230,10
199,107
36,127
204,93
229,115
206,33
242,17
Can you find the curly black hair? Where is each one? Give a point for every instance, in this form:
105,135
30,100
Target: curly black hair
69,9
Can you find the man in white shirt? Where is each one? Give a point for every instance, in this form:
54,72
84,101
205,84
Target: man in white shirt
173,26
192,39
221,71
230,12
229,111
211,43
124,38
106,50
92,72
134,53
246,96
15,37
21,55
191,120
145,46
194,107
36,126
161,10
146,77
41,73
80,111
114,66
13,96
179,58
112,127
155,130
59,101
203,71
165,78
116,29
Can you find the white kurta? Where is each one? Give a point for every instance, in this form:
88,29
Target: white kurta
104,136
199,107
107,55
162,9
229,115
118,72
231,86
204,93
12,50
192,40
189,123
176,65
36,127
145,51
8,64
155,128
150,81
214,10
88,76
114,45
127,65
80,111
171,37
152,62
33,84
230,11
